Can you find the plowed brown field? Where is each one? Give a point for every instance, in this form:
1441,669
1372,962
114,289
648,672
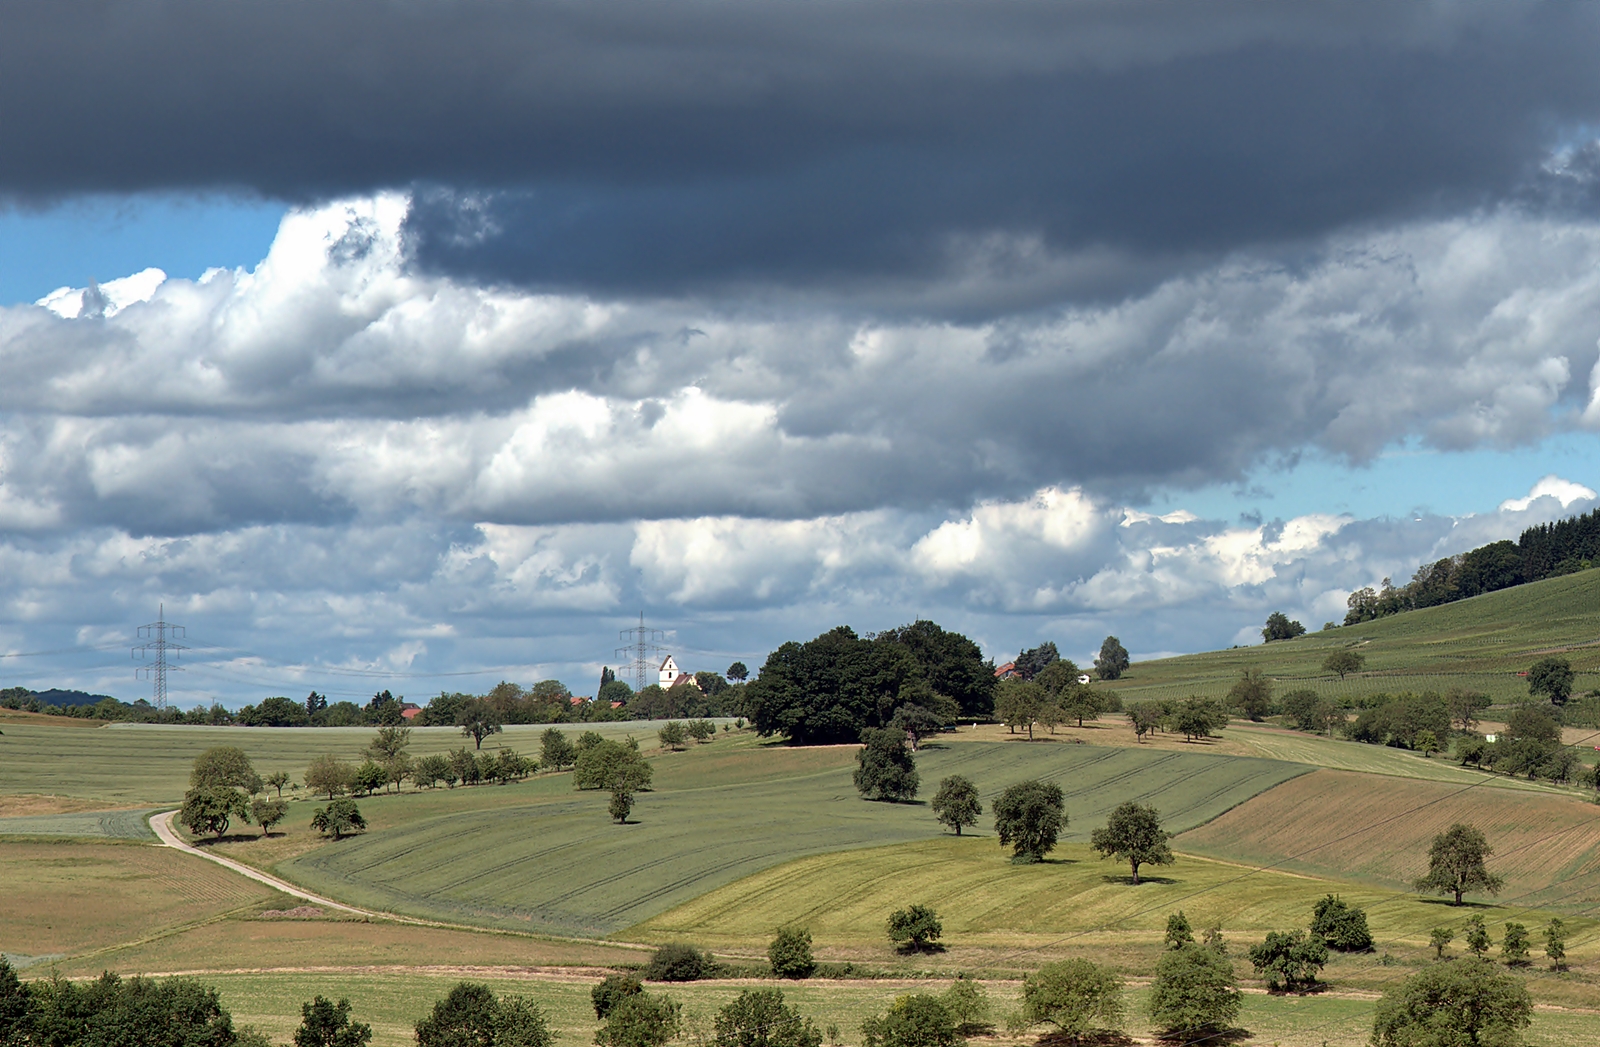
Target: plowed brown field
1378,829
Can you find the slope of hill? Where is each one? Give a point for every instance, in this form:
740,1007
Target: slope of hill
1481,643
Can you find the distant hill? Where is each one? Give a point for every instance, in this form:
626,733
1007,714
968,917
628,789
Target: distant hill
56,696
1480,643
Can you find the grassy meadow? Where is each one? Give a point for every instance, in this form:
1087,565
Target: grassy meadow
1481,643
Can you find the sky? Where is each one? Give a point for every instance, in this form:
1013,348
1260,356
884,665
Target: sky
416,346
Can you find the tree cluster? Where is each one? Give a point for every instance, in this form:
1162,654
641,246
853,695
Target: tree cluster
1280,627
1543,551
831,689
1193,717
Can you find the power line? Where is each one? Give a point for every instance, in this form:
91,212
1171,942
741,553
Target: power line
155,635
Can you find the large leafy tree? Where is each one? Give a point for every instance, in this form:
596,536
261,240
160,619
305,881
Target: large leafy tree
1551,677
1289,960
830,689
324,1023
956,803
1019,704
210,809
1280,627
1078,997
885,769
916,928
759,1018
1029,816
478,720
338,819
1458,1002
1344,662
1456,864
1251,694
1133,833
1113,660
1193,992
1035,660
224,766
951,664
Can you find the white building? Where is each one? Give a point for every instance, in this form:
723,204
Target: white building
670,677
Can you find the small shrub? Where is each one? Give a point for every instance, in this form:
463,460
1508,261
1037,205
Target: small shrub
611,991
1341,925
677,962
918,1020
790,954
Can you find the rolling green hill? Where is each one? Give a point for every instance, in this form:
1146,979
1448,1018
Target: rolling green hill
1481,643
554,864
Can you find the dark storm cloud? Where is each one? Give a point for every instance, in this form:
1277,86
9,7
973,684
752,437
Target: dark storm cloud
623,146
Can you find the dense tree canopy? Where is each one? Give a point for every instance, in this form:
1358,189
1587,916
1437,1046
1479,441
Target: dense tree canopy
828,690
1280,627
1551,677
885,769
1029,816
1464,1002
1133,833
1456,864
1113,659
956,804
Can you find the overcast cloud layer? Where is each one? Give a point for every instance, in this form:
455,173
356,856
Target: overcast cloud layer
763,317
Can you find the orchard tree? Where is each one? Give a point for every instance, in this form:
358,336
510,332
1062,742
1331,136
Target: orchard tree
1464,1001
1029,816
1018,703
1133,833
1251,694
1289,961
1112,661
885,769
554,749
1477,937
210,809
224,767
1078,997
478,720
673,736
1551,677
330,775
1344,663
956,803
1193,993
277,780
340,817
324,1023
1456,864
267,813
915,929
1555,943
1341,925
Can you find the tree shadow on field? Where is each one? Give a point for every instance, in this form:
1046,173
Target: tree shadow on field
1103,1038
914,950
1127,881
1466,906
1196,1039
240,837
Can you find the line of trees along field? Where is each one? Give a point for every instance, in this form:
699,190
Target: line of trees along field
1544,551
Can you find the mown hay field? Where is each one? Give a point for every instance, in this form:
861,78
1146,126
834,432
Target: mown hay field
996,914
556,865
1378,830
73,898
1481,643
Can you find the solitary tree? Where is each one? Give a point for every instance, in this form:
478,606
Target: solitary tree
1344,662
1179,933
478,720
1456,864
672,735
1193,993
1029,816
1553,678
1078,997
341,816
915,929
885,769
330,775
1341,925
1112,661
956,803
738,672
790,954
1251,694
1439,940
277,780
1462,1001
324,1023
759,1018
210,809
267,813
554,749
1133,833
1555,943
1289,961
1514,945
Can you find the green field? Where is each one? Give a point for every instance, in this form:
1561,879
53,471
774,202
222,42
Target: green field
1481,643
393,1001
143,764
111,825
553,864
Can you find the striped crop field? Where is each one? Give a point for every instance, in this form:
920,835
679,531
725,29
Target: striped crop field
112,825
554,864
1378,830
1481,643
